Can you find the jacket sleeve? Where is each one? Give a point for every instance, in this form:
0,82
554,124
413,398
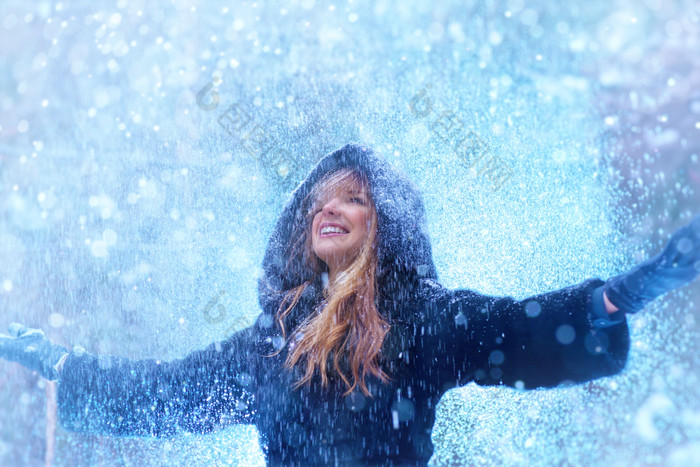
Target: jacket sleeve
204,391
542,341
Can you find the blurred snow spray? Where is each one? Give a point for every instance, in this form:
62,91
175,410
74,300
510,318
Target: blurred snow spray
146,150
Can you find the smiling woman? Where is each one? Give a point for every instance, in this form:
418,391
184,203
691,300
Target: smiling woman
375,339
343,238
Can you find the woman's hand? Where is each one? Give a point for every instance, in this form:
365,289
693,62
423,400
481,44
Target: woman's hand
33,349
675,266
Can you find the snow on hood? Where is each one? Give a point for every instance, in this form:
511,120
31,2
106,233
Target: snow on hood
404,246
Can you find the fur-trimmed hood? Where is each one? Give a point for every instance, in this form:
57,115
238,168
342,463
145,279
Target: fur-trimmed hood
404,249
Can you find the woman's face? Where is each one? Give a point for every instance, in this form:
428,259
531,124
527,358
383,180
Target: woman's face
341,226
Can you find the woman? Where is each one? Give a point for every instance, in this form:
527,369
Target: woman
357,341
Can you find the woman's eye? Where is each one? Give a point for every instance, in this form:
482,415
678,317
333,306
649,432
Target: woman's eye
359,200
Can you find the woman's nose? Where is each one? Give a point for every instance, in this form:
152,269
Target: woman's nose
331,207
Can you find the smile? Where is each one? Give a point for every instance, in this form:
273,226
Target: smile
330,231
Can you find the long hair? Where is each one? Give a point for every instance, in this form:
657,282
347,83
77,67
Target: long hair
347,330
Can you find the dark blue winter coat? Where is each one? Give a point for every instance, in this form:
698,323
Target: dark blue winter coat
439,339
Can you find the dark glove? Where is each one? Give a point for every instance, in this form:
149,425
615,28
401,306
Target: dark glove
32,349
678,264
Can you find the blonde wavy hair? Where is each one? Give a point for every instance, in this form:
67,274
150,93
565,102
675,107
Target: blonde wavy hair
348,327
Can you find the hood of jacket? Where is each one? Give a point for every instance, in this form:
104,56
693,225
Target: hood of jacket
404,250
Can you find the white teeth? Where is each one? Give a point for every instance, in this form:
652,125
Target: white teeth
326,230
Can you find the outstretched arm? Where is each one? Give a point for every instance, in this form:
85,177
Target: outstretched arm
571,335
202,392
541,341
